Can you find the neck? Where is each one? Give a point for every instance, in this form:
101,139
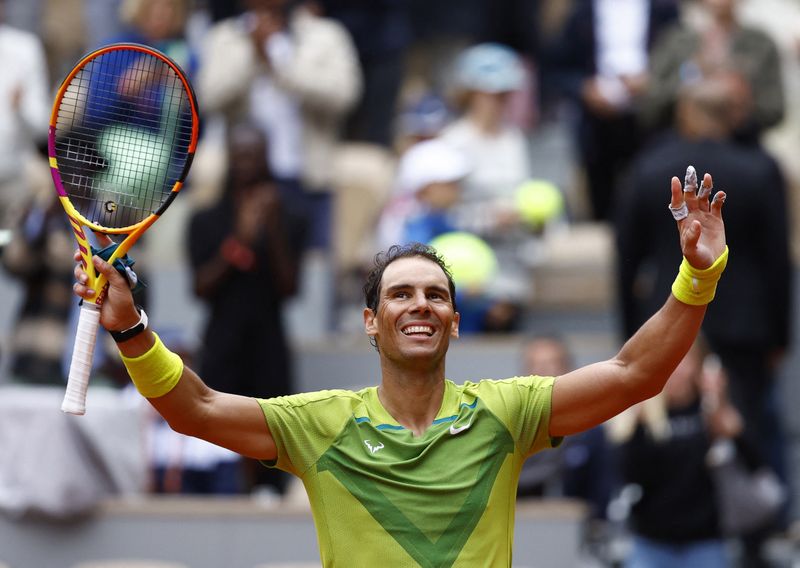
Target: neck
412,399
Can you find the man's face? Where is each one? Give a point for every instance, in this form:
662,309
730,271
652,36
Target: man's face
415,318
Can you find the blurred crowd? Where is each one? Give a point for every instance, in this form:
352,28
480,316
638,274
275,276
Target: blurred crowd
334,128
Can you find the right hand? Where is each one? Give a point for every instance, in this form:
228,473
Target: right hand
117,311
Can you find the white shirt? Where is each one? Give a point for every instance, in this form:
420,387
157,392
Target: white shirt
621,28
24,69
498,163
277,112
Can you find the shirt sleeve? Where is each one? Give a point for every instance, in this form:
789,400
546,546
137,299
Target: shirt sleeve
523,404
305,425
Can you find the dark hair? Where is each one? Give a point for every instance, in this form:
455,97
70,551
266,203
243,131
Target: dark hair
395,252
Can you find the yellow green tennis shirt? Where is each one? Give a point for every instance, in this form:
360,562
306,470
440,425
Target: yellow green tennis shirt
382,497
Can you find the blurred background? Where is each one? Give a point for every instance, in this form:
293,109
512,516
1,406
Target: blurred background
531,141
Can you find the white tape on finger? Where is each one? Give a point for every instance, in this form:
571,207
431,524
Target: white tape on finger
680,212
690,181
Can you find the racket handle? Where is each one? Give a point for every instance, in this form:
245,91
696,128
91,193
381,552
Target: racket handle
81,366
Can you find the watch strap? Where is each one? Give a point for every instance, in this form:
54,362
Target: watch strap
131,332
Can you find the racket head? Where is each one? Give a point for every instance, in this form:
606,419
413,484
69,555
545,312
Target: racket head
122,136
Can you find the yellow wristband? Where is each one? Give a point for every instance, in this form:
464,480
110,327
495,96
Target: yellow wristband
155,372
697,287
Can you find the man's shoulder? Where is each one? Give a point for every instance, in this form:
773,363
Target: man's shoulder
314,398
484,387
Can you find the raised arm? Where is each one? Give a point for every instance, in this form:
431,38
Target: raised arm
591,395
177,393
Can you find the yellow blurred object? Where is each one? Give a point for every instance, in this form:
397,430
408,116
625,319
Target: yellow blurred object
471,260
539,201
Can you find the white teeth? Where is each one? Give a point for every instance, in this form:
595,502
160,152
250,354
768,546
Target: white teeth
418,329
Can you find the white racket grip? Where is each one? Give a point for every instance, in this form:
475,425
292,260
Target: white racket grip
81,366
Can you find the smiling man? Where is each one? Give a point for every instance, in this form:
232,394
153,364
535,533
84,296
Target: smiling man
419,471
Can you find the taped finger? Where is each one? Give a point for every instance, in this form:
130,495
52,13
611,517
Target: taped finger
690,181
680,212
705,191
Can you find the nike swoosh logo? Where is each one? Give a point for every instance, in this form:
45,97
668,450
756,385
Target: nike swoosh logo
454,430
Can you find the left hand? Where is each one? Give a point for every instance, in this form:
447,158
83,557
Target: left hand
702,231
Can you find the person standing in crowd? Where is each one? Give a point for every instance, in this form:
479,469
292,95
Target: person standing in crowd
295,74
24,114
717,41
244,253
749,337
599,61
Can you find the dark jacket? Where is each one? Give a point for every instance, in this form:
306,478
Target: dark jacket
753,303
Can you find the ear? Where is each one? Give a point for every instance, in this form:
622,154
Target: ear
370,326
454,325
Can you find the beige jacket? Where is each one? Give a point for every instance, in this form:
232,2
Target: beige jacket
323,75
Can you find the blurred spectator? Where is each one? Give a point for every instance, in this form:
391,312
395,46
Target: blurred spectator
296,75
160,24
24,113
485,77
498,153
244,253
664,442
717,41
751,335
381,32
39,256
427,186
442,30
422,118
599,60
670,456
66,28
582,466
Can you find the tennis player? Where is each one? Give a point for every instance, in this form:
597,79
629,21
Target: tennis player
419,471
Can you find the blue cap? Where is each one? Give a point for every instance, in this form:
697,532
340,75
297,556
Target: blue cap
489,68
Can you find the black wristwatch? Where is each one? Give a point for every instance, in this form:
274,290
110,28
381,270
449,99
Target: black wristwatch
131,332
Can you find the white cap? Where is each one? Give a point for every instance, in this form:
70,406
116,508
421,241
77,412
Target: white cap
431,161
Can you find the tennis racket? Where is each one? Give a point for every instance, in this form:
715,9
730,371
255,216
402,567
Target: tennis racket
122,136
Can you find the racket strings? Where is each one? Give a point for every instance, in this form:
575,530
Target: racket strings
123,132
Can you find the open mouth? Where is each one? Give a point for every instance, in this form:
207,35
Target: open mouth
418,330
